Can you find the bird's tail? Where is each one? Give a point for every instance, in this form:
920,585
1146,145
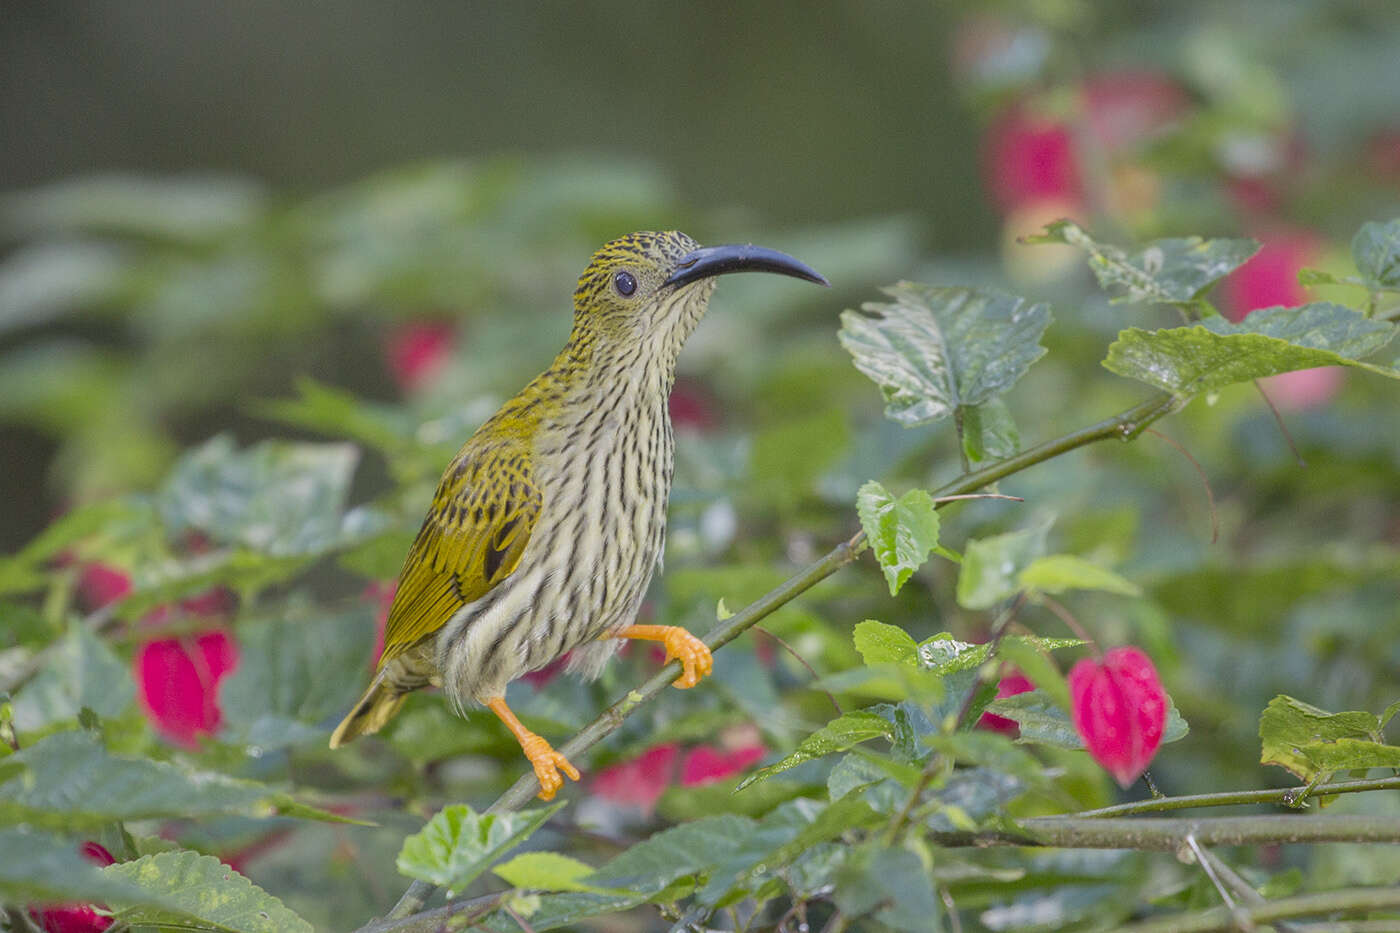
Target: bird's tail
376,707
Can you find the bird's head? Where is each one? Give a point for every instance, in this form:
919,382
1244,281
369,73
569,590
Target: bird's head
658,284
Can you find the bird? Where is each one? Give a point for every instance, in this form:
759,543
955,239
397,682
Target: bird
547,526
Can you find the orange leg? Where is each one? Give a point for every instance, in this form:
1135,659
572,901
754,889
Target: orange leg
542,755
694,656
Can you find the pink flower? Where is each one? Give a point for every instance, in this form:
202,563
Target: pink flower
76,918
1030,158
1303,389
177,682
706,764
641,781
1010,685
1270,278
1119,710
416,352
100,584
1124,109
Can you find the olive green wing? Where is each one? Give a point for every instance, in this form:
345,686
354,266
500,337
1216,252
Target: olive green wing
483,514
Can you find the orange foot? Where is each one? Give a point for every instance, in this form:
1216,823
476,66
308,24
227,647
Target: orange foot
546,761
694,655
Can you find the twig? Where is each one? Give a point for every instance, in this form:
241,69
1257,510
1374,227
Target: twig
1205,481
1169,835
1204,861
803,661
1220,920
1283,428
1237,797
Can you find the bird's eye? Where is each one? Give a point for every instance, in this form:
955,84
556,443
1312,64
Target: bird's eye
625,283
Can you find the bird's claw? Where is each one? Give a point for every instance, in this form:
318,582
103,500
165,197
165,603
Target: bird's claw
547,763
693,654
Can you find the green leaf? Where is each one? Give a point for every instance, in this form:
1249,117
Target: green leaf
1045,723
72,781
902,532
655,863
1059,572
280,695
337,413
35,866
201,892
81,671
277,497
944,654
546,871
1312,742
879,643
1169,271
458,844
836,736
988,431
991,567
1376,250
1216,353
890,885
936,349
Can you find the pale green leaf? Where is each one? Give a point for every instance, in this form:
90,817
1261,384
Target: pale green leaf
879,643
943,654
458,844
1310,742
836,736
1169,271
935,349
545,871
1376,250
200,892
991,567
902,532
1059,572
1037,666
1216,353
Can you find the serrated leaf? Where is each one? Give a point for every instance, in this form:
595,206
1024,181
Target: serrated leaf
944,654
1376,251
892,886
935,349
1310,742
81,671
72,781
1216,353
1168,271
902,532
35,866
201,893
458,844
276,497
1043,722
836,736
879,643
1059,572
991,567
280,695
989,432
545,871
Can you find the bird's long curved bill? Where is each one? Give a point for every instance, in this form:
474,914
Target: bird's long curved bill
720,260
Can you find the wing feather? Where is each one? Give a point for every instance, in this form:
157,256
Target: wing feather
483,514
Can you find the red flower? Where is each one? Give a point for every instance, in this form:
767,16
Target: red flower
76,918
1010,685
1270,278
416,352
177,681
100,584
706,764
1119,710
1030,158
641,781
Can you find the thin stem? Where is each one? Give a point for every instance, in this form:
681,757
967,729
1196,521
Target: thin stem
456,915
1220,920
1239,797
803,661
1126,425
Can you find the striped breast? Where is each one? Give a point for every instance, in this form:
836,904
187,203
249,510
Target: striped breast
604,467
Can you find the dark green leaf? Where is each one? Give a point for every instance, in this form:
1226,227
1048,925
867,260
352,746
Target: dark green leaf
1035,663
891,886
1169,271
1216,353
458,844
944,654
989,432
838,735
935,349
277,497
81,671
201,892
902,532
337,413
991,567
1376,250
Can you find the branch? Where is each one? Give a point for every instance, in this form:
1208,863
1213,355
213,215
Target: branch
1169,835
1222,920
1124,426
1284,795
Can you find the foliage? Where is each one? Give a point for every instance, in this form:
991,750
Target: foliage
899,747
